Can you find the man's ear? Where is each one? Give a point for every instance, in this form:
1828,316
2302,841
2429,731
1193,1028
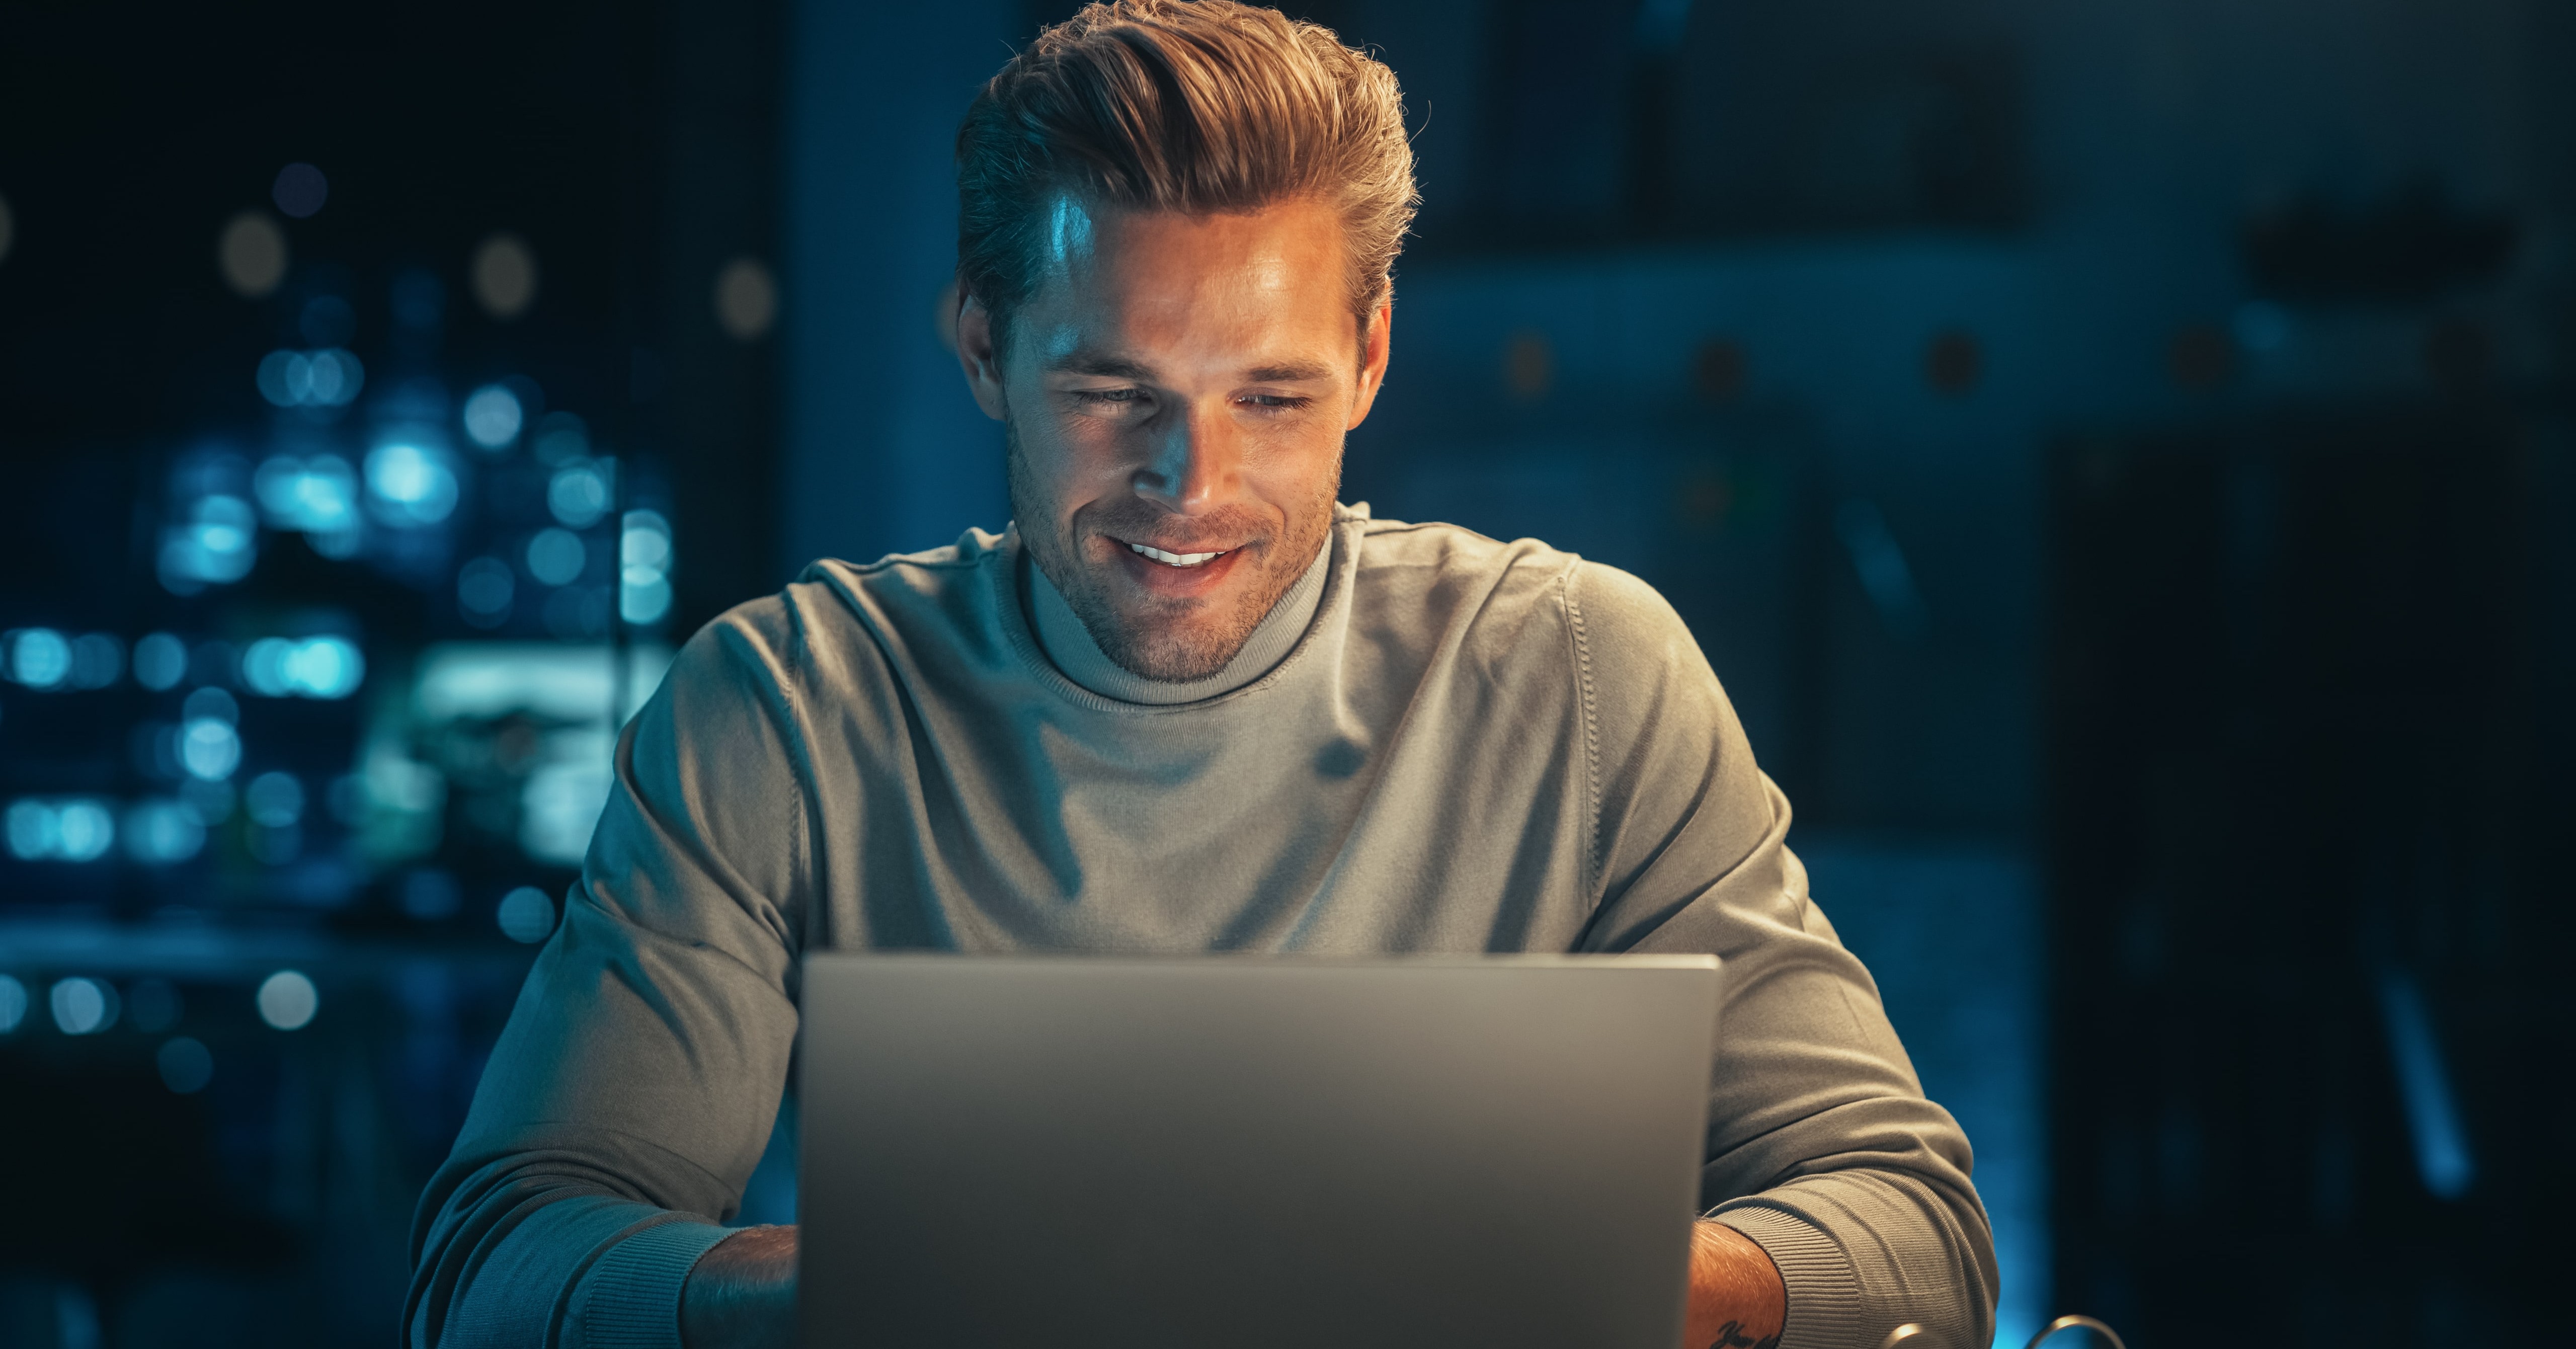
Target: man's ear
975,355
1374,351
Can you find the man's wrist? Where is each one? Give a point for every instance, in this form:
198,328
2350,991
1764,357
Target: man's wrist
1737,1297
741,1294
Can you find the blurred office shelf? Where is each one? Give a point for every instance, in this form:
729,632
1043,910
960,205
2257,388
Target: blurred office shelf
2308,732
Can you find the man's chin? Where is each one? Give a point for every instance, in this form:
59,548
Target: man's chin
1177,625
1173,653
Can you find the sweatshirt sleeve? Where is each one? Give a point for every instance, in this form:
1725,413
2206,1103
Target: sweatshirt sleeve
635,1085
1821,1147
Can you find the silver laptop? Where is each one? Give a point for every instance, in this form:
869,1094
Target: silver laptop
1238,1153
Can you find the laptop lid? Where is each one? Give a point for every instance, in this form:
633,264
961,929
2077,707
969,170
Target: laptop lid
1251,1152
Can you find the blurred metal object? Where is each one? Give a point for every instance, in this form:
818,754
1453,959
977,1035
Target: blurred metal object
1880,564
2070,1323
1921,1337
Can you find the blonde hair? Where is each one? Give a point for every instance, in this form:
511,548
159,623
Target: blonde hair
1203,107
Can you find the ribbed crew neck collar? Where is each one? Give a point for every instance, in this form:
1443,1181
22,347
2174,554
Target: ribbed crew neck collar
1068,643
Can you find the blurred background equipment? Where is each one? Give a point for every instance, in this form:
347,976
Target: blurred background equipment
2117,458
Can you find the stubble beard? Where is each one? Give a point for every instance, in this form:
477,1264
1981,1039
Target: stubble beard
1169,641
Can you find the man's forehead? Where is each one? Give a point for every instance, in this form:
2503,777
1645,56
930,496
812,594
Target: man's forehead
1066,344
1137,296
1287,249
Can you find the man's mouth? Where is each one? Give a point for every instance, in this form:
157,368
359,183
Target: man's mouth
1179,559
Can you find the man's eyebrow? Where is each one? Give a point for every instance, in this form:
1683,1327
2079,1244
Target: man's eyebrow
1104,367
1291,373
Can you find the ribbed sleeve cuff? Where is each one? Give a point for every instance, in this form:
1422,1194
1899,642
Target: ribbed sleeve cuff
630,1299
1824,1290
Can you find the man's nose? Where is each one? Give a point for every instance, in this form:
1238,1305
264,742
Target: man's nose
1195,461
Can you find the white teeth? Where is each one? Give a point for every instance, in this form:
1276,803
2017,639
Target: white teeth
1176,559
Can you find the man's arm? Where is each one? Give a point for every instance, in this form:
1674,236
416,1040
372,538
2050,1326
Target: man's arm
1737,1300
636,1083
1822,1150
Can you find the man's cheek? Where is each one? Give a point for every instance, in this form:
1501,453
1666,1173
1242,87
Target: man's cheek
1083,450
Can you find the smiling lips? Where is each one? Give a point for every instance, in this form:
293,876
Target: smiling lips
1179,559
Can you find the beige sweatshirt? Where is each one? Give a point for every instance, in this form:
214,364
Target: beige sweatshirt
1440,744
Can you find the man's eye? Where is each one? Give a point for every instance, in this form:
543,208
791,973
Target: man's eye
1276,402
1109,397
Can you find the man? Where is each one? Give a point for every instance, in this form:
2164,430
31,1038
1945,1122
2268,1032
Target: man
1187,703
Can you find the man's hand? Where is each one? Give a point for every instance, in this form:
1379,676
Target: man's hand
742,1293
1736,1298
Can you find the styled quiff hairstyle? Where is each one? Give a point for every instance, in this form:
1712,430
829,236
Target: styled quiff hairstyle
1204,107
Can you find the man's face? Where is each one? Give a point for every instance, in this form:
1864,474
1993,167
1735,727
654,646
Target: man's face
1176,391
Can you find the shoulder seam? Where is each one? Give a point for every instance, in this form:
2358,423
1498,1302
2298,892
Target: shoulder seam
1591,729
808,800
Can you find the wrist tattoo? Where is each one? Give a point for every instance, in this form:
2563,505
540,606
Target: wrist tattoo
1732,1336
